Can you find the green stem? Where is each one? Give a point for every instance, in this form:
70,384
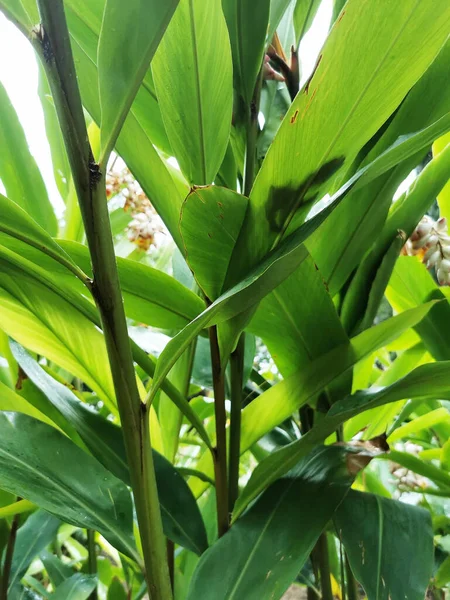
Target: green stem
220,451
237,372
92,558
9,557
252,137
52,42
352,585
323,563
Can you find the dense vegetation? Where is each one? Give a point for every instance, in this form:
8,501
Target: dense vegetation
224,370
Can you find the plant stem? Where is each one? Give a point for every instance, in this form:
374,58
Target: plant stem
352,586
220,451
171,561
237,372
52,41
9,557
252,137
323,563
92,558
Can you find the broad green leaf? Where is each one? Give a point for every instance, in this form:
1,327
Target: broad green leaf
267,547
56,569
346,94
78,587
35,534
443,573
355,303
378,534
211,218
61,167
411,285
19,172
150,296
351,231
375,422
413,463
116,591
44,322
304,13
247,28
272,271
281,400
86,495
182,521
10,400
427,421
17,225
192,71
444,197
121,73
277,10
298,327
404,216
271,411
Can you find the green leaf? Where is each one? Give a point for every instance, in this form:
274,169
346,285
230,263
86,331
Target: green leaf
442,576
86,495
362,36
56,569
267,547
277,10
169,305
247,28
370,304
378,534
404,216
61,167
279,402
17,226
220,213
272,271
275,405
192,71
19,172
78,587
181,517
298,327
10,400
36,534
426,421
304,13
444,196
411,285
351,231
116,591
121,73
44,322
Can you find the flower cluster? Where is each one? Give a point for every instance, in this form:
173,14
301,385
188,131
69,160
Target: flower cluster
431,240
145,223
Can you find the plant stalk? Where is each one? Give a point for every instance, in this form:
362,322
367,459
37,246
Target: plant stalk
220,451
323,563
252,137
9,553
92,559
237,383
352,586
52,41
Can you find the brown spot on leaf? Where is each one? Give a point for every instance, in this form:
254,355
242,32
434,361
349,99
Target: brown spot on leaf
294,117
210,235
341,16
21,377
